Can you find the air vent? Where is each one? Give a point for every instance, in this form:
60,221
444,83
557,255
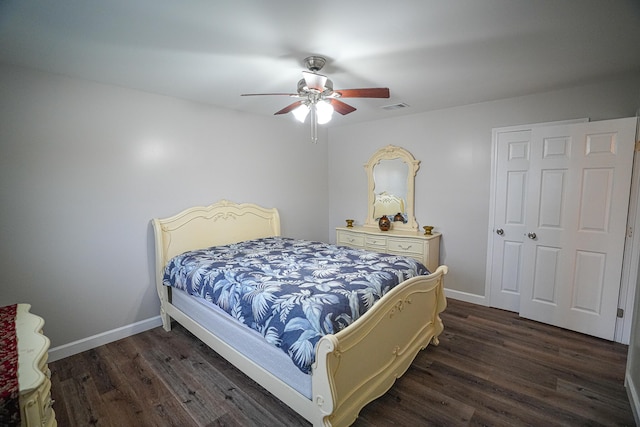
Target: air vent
395,106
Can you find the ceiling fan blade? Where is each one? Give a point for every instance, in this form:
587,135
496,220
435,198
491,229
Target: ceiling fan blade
371,92
260,94
341,107
288,108
314,81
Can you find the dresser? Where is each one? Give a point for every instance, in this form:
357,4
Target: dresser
36,405
417,245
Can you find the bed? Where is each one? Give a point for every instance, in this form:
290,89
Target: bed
350,368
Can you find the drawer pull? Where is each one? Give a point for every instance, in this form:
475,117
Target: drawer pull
405,248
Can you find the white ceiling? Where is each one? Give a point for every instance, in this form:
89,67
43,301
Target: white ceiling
432,54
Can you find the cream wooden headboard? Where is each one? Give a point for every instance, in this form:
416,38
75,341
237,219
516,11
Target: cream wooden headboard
222,223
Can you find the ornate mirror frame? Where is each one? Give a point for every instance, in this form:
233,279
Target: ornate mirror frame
391,152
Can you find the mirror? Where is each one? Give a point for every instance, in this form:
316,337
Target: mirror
390,188
391,173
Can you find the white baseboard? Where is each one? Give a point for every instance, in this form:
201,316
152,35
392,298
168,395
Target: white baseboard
634,399
88,343
466,297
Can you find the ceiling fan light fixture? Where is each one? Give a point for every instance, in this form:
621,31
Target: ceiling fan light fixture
301,113
313,81
325,111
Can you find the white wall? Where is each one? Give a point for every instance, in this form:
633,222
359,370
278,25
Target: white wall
454,146
83,169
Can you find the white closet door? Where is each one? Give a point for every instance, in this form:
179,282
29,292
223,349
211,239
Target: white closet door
512,183
576,216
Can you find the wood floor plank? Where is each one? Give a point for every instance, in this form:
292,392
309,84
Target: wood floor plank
492,368
137,395
204,404
487,397
409,400
82,404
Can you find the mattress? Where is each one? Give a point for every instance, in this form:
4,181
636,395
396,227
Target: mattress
243,339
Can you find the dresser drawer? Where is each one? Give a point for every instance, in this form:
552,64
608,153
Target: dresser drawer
376,243
348,239
407,247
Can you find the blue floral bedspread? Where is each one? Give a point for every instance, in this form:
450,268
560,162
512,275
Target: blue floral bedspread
291,291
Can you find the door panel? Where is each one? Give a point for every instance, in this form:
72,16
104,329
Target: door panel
545,281
515,202
595,208
551,197
588,283
511,268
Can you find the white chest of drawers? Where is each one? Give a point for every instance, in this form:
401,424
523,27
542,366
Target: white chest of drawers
36,405
424,248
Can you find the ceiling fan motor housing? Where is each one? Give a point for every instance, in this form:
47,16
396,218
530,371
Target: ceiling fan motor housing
314,63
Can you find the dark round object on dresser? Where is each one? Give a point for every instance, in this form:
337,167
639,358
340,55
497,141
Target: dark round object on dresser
384,223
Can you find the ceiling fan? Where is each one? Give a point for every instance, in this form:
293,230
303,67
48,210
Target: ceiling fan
318,98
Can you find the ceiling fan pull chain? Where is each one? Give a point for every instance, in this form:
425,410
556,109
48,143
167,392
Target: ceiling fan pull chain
314,124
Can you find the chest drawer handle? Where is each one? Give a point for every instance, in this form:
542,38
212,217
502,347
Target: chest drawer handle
405,248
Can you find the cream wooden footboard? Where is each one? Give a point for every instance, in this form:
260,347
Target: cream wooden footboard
354,366
363,361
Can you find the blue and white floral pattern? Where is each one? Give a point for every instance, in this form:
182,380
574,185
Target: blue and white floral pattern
291,291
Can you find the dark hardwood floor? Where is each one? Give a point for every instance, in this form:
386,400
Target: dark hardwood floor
491,368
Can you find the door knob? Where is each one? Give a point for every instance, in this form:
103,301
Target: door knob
500,231
531,236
